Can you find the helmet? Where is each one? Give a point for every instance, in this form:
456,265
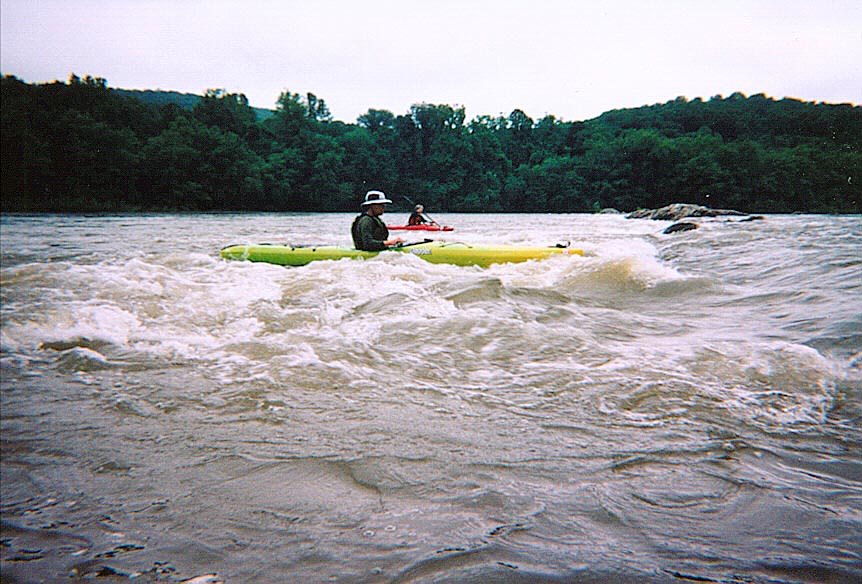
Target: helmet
375,198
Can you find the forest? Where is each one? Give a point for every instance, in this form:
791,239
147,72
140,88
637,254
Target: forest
81,146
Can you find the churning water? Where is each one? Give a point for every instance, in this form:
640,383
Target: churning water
667,408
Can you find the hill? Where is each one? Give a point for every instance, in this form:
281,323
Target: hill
184,100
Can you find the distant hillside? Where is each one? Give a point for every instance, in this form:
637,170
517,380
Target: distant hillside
185,100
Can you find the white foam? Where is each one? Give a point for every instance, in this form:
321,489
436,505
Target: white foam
776,385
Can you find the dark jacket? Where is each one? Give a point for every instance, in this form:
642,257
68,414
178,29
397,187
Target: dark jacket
369,233
417,219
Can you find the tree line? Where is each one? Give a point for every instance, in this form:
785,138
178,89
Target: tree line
81,146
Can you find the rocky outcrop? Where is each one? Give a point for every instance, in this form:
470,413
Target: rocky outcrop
678,211
682,226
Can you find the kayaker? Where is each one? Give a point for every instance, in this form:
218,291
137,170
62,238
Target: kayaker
368,230
417,217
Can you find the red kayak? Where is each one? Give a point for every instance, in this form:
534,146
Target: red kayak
423,227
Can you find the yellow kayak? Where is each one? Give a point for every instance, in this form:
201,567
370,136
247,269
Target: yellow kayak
459,254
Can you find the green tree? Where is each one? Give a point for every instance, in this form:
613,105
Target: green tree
83,163
201,168
377,120
367,163
227,111
517,138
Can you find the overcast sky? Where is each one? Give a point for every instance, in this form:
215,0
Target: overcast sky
569,58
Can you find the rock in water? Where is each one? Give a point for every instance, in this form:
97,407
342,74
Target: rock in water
205,579
683,226
678,211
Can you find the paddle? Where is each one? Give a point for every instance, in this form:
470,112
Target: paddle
426,215
408,244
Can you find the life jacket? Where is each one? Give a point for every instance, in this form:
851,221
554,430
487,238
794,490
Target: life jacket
379,231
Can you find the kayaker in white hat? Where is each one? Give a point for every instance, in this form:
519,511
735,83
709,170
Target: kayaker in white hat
368,229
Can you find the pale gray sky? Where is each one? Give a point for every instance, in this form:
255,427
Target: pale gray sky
570,58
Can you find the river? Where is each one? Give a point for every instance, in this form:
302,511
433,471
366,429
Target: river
666,408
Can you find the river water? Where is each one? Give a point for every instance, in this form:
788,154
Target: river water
666,408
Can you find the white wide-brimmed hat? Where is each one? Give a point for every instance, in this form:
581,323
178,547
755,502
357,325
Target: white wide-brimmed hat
375,198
